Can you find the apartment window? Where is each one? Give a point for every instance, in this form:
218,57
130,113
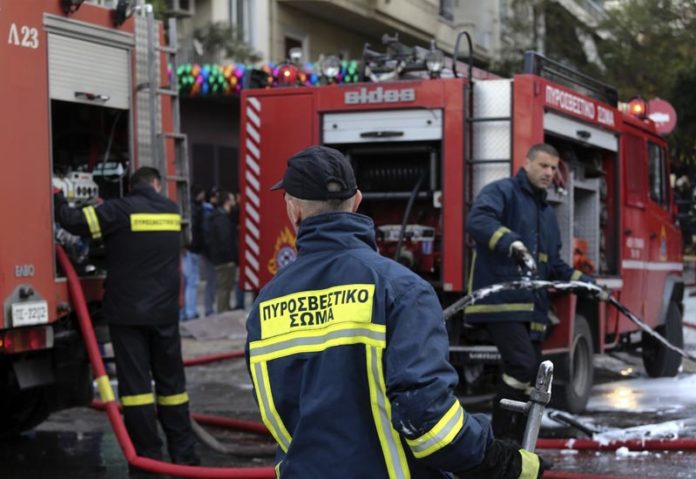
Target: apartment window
293,41
447,9
240,17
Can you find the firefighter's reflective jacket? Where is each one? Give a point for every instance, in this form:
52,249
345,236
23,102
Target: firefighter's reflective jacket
508,210
348,355
141,233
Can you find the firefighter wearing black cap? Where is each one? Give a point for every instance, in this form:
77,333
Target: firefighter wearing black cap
347,352
141,233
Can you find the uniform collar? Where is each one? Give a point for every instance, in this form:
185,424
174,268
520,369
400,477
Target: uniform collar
523,180
335,231
144,190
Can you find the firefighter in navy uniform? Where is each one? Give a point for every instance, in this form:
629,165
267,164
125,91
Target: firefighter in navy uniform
513,225
347,351
142,237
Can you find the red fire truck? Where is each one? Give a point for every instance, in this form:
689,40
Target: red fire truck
423,147
83,105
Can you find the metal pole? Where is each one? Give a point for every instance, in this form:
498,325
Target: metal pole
153,84
540,397
534,408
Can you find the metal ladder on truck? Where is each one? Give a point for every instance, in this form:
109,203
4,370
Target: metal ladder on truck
152,138
487,130
487,157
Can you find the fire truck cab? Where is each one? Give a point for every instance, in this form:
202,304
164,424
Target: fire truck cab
422,148
83,107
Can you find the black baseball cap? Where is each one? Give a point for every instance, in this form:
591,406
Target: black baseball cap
310,171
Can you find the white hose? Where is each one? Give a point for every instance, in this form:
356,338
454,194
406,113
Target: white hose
568,286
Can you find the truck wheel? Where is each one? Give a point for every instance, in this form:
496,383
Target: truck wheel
657,359
574,372
21,411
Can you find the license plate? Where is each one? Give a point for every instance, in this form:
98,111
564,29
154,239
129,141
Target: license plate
25,314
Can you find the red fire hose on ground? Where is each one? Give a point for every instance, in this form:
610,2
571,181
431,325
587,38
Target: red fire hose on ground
591,445
252,427
213,358
685,444
112,409
580,475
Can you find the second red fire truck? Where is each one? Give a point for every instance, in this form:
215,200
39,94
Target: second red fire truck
423,147
85,102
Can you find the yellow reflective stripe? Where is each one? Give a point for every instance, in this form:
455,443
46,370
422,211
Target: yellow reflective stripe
530,465
394,455
576,275
537,327
173,400
499,308
543,258
106,393
277,470
441,434
495,237
155,222
313,341
269,414
92,222
138,399
515,383
470,283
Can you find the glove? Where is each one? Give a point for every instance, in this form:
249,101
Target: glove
505,460
601,293
519,253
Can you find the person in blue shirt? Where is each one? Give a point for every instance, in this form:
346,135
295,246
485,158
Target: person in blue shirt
347,351
209,271
191,256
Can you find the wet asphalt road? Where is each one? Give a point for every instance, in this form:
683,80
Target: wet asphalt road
79,444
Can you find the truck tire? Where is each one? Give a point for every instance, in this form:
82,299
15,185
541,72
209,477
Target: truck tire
574,371
21,411
657,359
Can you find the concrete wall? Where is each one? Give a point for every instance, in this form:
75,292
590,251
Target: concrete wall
319,35
351,23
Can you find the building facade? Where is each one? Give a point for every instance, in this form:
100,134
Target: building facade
343,27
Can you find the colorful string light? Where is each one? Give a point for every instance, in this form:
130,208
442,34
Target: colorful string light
213,79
